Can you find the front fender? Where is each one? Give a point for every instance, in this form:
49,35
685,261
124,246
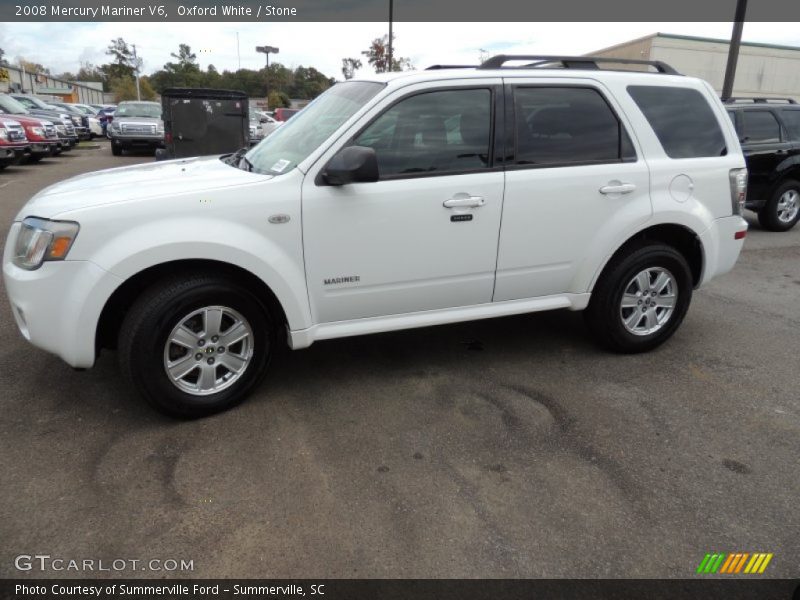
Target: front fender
277,260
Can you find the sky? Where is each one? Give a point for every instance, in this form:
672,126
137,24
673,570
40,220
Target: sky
323,45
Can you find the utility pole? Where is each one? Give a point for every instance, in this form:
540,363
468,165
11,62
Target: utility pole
391,35
733,51
136,72
267,50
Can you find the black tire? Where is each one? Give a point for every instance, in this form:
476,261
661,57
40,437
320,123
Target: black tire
33,158
768,215
116,150
604,315
149,322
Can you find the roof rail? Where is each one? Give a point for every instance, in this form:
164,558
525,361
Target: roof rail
572,62
437,67
760,100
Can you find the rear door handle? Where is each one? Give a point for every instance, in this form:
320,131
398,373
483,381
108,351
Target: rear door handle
617,187
464,201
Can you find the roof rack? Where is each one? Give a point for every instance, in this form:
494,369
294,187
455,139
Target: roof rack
572,62
437,67
760,100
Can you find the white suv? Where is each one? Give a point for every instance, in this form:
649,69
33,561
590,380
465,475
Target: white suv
390,202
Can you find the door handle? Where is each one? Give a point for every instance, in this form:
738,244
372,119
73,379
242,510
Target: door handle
617,187
464,201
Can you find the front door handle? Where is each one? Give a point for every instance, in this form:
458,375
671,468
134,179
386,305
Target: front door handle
617,187
464,201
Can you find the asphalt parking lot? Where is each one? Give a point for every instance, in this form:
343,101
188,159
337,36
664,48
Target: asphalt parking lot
501,448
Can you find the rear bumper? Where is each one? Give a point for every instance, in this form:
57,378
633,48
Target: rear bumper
722,243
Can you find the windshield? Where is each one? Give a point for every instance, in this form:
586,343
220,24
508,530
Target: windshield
9,105
39,103
135,109
302,134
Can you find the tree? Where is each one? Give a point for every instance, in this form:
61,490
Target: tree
32,67
378,56
350,66
123,65
278,100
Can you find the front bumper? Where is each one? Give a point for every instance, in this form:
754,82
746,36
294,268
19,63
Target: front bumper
11,154
721,247
57,306
137,141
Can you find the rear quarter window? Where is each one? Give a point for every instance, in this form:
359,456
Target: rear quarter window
791,117
682,120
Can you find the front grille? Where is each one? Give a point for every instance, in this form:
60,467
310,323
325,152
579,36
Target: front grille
16,133
50,131
70,128
144,128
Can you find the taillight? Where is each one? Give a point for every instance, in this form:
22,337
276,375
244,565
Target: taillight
738,179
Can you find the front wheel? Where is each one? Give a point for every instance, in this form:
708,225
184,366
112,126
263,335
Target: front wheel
194,346
640,299
116,150
782,210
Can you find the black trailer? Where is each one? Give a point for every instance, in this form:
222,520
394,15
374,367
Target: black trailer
200,121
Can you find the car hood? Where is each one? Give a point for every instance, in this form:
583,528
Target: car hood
137,183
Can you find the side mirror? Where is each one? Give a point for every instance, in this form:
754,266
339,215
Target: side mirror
350,165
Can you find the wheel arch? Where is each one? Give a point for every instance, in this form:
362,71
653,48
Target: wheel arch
123,297
681,237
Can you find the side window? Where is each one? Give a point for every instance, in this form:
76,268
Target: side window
760,127
559,126
432,132
681,119
792,120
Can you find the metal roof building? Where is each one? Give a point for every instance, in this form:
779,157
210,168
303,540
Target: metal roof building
768,70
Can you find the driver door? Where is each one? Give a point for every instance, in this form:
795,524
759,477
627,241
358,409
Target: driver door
424,236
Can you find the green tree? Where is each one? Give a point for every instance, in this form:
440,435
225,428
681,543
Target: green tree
378,56
123,64
278,100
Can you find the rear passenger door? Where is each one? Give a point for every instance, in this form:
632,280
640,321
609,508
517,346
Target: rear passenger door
574,184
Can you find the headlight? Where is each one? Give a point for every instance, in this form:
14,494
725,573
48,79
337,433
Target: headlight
39,240
37,131
61,129
3,134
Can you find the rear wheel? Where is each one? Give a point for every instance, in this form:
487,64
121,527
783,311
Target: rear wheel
782,210
640,299
197,345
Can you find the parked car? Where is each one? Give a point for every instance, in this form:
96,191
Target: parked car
106,115
44,135
92,120
620,193
255,133
79,119
136,125
22,104
64,121
13,142
769,131
261,125
284,114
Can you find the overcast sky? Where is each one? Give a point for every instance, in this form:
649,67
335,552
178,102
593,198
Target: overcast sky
62,46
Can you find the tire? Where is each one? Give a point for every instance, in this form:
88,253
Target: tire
33,159
605,316
782,210
116,150
144,350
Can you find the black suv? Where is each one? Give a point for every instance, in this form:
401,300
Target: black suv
769,131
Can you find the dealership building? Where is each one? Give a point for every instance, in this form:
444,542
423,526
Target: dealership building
18,80
767,70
